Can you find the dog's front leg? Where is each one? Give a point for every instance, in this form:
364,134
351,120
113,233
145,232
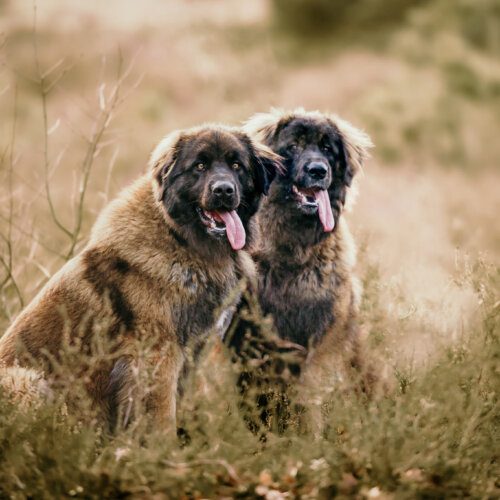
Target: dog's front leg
167,362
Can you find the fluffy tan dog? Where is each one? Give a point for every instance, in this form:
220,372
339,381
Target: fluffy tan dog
161,260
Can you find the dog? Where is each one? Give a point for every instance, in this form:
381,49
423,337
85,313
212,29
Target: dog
306,257
162,258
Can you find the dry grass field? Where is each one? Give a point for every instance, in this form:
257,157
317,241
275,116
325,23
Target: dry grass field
86,91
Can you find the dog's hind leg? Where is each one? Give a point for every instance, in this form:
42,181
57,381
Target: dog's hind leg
150,384
121,393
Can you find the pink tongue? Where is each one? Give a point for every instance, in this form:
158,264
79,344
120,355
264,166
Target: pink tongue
325,210
234,229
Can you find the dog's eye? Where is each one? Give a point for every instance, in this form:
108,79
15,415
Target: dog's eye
293,147
200,166
236,165
326,149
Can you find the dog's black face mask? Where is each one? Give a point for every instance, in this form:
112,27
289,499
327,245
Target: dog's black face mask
317,171
212,186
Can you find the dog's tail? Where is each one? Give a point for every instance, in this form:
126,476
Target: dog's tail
23,386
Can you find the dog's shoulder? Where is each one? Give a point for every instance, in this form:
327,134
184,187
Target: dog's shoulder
132,216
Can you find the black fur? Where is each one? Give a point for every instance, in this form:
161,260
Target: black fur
298,286
267,365
106,274
191,319
282,274
310,138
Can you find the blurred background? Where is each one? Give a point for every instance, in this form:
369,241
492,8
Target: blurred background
88,88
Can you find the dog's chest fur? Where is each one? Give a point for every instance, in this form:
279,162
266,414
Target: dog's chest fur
154,282
204,295
174,300
299,291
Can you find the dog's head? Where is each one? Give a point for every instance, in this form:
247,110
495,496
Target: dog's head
210,180
321,154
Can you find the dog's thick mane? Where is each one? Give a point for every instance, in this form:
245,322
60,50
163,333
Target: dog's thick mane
265,126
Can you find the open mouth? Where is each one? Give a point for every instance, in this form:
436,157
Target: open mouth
220,224
306,196
312,200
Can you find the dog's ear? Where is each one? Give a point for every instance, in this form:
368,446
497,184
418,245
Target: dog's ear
353,145
163,159
346,166
265,127
267,164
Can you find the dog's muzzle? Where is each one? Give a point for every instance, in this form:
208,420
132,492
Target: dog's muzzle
219,214
222,194
310,191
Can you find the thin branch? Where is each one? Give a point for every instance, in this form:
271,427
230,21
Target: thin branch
95,142
8,265
108,176
30,235
12,280
43,92
53,68
101,124
11,168
56,80
86,168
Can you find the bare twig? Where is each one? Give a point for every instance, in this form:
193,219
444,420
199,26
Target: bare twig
108,176
44,89
107,106
101,124
9,263
31,236
10,276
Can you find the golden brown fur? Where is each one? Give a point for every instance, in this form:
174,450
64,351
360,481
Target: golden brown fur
145,277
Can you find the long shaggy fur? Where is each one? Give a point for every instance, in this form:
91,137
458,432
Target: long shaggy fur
306,280
150,273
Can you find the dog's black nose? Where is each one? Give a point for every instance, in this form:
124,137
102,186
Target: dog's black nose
317,170
223,189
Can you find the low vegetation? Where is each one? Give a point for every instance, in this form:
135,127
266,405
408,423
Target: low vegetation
434,435
423,82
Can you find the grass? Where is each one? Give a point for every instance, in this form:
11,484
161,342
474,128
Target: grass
436,434
424,86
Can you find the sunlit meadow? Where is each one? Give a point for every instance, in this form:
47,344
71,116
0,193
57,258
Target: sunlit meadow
87,90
